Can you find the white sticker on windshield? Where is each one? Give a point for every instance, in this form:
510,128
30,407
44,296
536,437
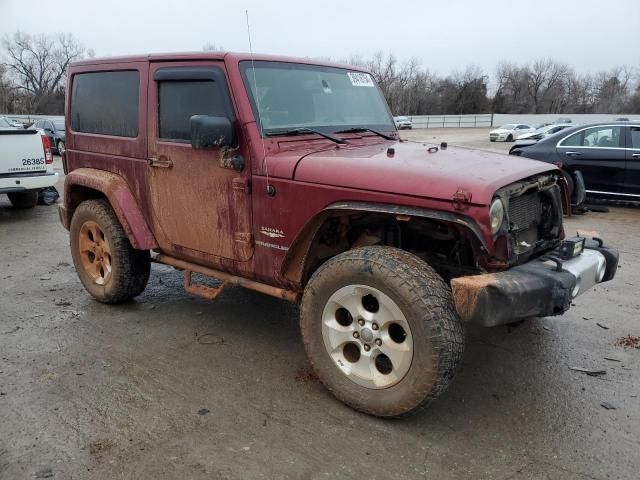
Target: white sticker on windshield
359,79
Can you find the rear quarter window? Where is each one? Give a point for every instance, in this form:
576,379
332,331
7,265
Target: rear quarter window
106,103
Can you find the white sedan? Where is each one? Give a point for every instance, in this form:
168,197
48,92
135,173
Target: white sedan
403,122
509,132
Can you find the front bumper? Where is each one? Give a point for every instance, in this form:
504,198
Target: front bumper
535,289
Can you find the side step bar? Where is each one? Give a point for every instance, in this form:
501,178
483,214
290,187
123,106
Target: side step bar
211,293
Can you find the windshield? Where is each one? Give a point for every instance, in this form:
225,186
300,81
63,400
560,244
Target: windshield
58,124
509,126
4,123
291,95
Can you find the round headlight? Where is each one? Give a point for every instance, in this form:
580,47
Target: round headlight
496,215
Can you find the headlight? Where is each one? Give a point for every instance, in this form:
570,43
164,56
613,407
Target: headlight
496,215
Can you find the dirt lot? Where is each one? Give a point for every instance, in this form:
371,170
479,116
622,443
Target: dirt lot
171,386
463,137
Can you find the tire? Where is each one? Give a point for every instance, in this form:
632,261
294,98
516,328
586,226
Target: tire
26,199
414,297
570,183
510,138
110,269
61,147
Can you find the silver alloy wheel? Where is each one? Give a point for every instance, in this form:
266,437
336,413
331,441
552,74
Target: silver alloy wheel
61,147
367,336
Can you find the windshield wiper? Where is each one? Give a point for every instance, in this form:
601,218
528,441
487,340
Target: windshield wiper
302,131
364,129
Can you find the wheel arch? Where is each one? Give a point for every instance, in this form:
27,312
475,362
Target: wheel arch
87,183
298,265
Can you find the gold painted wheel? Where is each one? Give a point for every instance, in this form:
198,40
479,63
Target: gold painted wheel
95,253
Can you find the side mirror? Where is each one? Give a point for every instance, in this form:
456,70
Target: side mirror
211,132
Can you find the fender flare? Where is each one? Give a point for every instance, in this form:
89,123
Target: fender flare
292,268
115,189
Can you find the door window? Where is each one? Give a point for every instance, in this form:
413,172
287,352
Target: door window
179,100
599,137
635,138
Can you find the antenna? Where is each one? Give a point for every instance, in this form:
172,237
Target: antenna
265,164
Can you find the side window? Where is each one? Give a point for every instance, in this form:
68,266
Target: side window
602,137
574,140
180,99
635,138
106,103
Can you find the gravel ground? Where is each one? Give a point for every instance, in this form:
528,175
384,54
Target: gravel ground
170,386
477,138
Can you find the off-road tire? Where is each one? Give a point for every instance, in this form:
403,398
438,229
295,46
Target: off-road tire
26,199
130,267
426,302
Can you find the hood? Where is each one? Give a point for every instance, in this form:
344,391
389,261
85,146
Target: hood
530,135
412,170
501,130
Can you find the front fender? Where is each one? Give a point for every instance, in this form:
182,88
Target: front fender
117,192
294,262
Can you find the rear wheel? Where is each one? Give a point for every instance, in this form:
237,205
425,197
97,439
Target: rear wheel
380,330
26,199
110,269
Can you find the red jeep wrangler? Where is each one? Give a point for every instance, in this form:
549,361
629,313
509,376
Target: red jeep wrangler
287,176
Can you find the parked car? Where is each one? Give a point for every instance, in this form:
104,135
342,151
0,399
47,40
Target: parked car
6,123
307,193
54,129
26,165
540,133
509,132
605,156
403,123
563,120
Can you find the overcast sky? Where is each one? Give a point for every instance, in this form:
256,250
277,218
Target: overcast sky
446,35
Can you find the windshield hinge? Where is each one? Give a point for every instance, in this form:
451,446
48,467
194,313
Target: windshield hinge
461,199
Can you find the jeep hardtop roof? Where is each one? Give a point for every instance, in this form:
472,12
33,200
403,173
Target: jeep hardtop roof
227,56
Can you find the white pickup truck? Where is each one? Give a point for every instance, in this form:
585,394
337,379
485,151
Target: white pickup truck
26,165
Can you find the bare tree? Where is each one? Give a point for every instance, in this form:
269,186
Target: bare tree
543,77
40,62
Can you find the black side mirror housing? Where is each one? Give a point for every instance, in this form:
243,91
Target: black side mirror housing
211,132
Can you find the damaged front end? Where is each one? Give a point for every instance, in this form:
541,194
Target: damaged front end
533,219
542,274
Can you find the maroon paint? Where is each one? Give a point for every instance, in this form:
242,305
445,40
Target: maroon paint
308,174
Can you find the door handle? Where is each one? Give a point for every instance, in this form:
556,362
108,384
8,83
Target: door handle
162,161
635,155
572,154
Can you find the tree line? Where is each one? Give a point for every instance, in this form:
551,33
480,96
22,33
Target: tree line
33,80
543,86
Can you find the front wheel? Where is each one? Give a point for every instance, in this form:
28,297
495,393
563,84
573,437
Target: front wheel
26,199
61,148
510,138
380,330
110,269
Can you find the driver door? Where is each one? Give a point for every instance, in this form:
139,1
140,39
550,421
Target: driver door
201,209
